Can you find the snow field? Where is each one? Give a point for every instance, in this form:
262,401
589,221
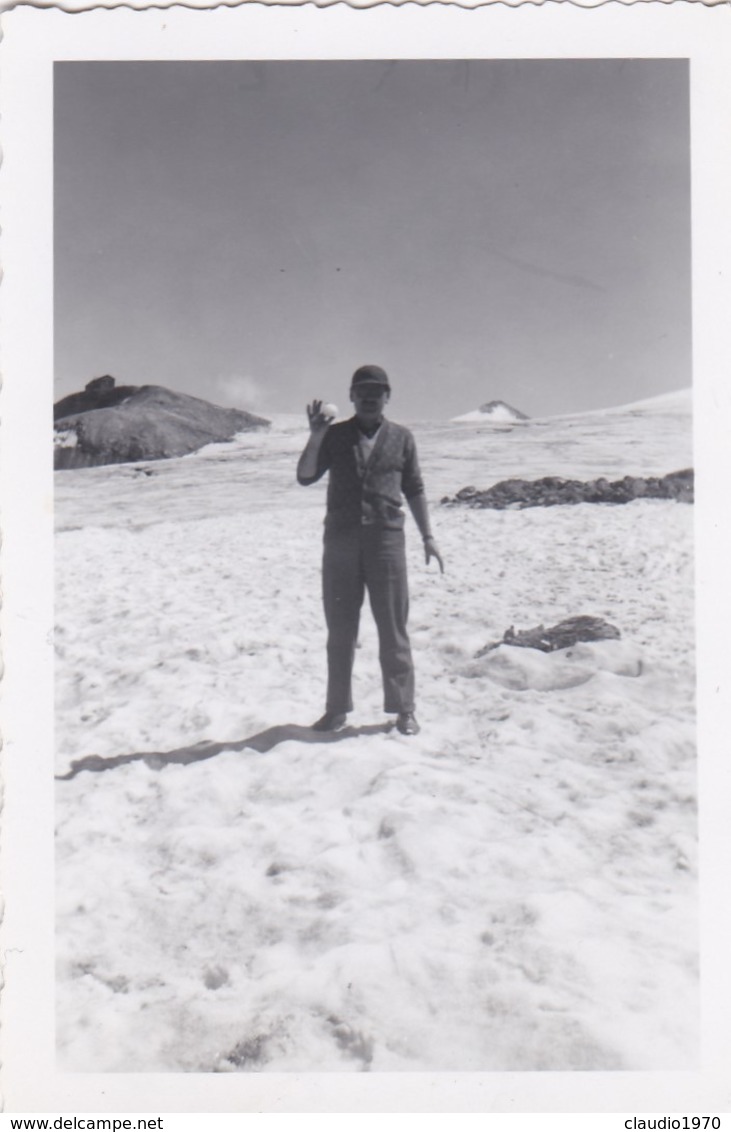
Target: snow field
512,889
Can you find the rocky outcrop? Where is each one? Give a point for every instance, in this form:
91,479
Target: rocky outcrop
130,423
561,636
553,490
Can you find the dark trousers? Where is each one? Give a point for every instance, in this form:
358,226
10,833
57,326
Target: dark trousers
367,558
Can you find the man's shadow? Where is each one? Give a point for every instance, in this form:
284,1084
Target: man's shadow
262,742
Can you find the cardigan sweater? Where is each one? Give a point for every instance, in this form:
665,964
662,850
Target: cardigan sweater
367,493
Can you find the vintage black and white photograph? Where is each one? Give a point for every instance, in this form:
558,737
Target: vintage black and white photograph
375,723
477,851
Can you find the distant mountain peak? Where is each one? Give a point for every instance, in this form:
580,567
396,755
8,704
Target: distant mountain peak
498,408
499,412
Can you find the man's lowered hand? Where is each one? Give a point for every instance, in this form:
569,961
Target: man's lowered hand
431,550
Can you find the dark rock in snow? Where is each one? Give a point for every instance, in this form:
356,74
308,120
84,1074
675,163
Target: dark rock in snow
553,490
568,632
109,424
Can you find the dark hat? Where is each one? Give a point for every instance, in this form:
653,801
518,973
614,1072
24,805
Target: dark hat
370,375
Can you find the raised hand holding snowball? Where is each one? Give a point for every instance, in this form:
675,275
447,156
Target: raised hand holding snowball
320,416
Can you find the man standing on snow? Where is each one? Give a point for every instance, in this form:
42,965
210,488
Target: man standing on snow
371,462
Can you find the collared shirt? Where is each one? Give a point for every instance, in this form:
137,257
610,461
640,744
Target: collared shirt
367,491
367,444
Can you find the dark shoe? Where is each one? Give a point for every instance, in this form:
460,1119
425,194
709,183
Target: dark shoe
330,721
406,723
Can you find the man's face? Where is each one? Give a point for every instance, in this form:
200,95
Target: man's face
369,401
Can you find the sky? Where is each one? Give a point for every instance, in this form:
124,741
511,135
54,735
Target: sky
251,232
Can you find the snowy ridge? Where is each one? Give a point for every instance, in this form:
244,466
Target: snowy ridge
680,401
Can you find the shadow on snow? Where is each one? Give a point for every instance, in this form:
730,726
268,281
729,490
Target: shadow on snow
262,742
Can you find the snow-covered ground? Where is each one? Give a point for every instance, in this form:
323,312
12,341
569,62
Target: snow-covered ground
512,889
